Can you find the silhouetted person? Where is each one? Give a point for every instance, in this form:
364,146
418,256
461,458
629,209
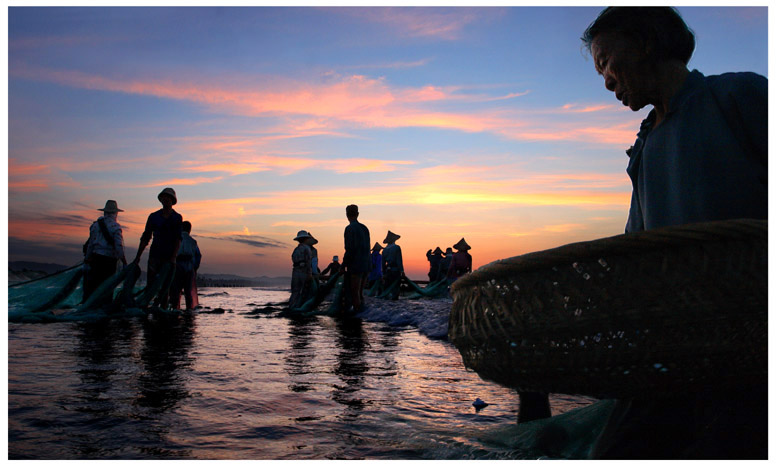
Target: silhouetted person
461,263
375,266
434,259
164,226
302,273
700,155
311,241
444,264
186,266
332,268
393,266
355,262
104,249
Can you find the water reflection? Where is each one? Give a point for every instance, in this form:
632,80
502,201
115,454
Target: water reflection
351,366
162,385
165,358
301,353
102,349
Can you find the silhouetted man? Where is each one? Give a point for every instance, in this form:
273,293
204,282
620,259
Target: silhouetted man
355,262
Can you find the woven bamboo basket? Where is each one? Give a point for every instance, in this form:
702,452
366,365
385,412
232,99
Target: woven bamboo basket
643,315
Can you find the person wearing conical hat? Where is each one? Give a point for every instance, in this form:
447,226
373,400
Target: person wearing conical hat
461,263
434,259
104,248
302,272
312,242
165,227
376,266
393,266
355,262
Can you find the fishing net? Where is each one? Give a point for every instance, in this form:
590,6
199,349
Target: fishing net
59,296
331,292
641,315
41,294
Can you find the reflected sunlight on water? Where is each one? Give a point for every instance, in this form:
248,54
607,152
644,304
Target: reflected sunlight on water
232,386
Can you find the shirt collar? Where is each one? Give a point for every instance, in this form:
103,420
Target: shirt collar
691,83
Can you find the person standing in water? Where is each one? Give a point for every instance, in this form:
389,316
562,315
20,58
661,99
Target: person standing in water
332,268
104,249
434,259
302,273
163,226
376,266
187,264
393,266
444,264
311,241
461,263
355,261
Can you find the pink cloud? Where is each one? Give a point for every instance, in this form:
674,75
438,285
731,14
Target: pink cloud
26,177
574,108
366,103
186,181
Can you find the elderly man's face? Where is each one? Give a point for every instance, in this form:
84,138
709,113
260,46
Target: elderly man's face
625,70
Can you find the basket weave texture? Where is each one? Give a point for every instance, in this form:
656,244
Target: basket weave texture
644,315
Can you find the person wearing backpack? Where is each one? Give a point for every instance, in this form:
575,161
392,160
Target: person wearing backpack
104,248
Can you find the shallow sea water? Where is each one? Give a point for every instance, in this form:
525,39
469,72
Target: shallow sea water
241,385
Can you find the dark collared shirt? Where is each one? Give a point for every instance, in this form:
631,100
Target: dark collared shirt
708,159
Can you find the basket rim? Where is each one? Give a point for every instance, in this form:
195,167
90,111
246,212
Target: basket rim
622,244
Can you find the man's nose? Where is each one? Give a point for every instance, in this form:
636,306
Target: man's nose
610,82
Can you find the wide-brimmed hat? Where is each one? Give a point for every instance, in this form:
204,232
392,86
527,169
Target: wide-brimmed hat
313,241
111,206
169,192
377,247
461,245
391,237
302,235
437,251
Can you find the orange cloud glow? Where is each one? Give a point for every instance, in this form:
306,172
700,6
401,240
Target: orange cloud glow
288,165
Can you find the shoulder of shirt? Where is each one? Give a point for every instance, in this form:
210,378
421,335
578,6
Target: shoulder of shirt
740,85
736,77
111,221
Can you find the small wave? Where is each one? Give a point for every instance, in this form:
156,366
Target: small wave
218,293
429,316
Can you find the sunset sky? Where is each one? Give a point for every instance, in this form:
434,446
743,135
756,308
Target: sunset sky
440,123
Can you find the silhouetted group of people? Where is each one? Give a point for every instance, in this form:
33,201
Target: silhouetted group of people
449,265
381,267
171,243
